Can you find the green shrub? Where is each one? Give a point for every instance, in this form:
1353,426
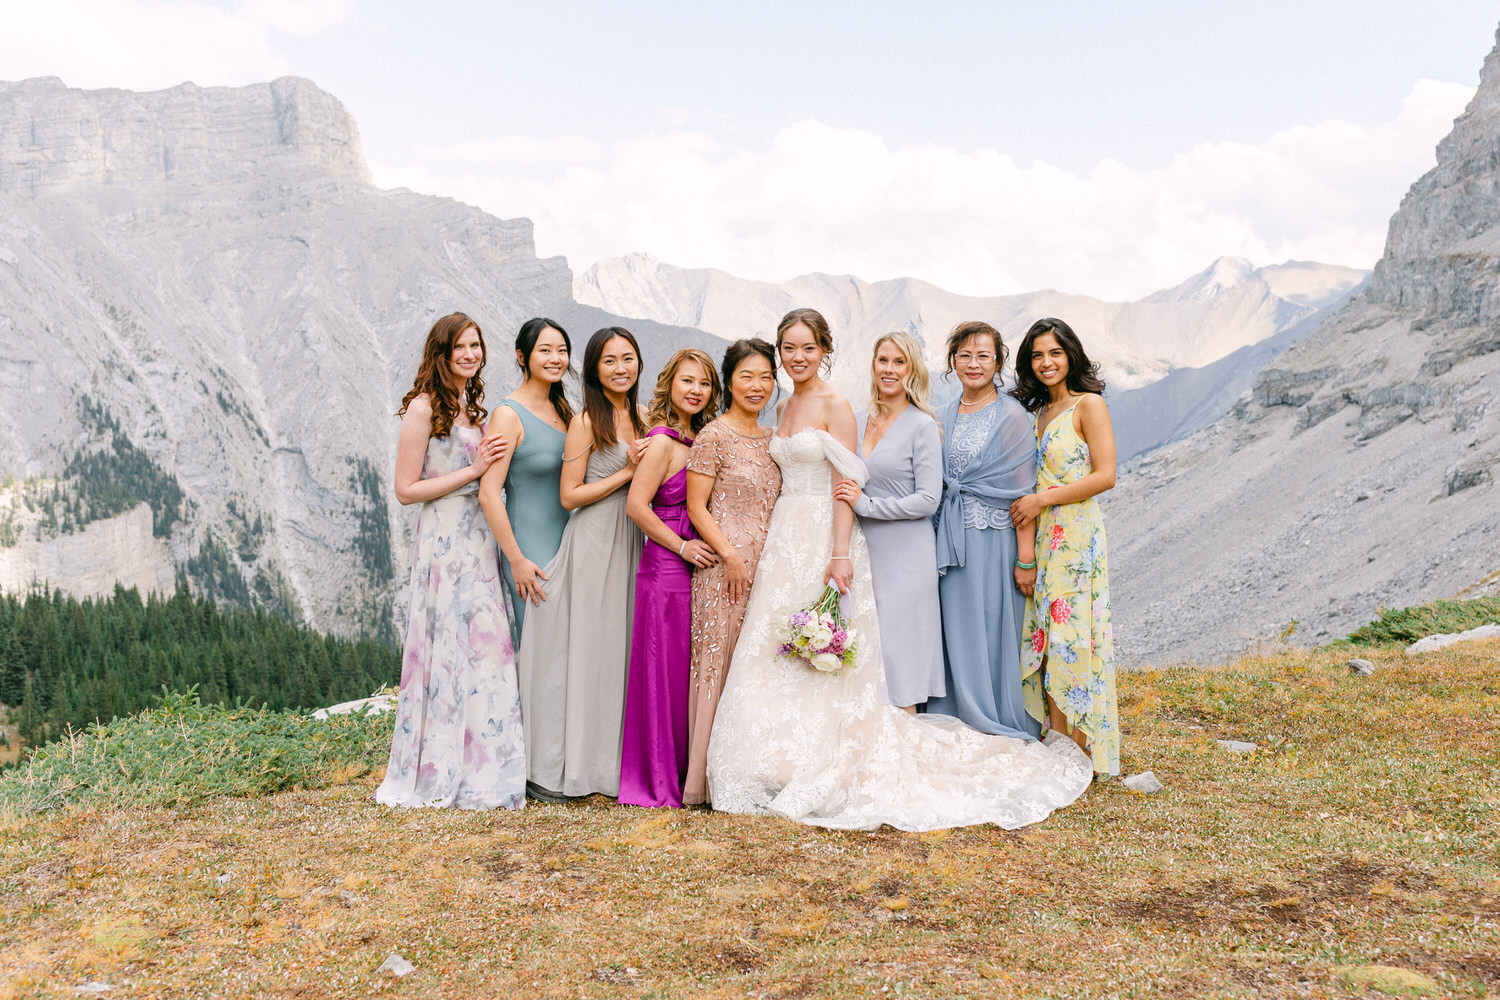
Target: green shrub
185,751
1407,625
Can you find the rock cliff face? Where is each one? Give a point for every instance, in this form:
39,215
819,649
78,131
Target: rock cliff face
1360,468
115,550
215,270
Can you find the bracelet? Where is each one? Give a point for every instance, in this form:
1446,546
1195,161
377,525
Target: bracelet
1030,565
682,548
837,558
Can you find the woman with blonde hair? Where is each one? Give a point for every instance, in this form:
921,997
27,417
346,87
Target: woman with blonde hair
654,752
899,440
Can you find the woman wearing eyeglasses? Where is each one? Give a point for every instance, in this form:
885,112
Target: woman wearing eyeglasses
989,461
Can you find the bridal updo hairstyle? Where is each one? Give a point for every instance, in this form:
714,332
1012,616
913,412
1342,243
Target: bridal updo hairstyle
814,321
1083,374
735,355
971,328
526,343
596,405
435,376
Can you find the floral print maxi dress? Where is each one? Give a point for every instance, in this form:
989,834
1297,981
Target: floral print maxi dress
1067,618
457,739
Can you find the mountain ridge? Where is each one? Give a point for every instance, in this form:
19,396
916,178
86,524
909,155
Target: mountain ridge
1358,470
213,268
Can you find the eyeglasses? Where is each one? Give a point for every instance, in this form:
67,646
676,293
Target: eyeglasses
967,358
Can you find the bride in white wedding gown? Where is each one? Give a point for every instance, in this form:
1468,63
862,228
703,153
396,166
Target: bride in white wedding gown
828,749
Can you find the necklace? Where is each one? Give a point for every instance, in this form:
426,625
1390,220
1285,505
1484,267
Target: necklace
994,391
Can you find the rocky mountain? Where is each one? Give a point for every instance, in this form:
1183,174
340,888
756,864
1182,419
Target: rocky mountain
1230,307
209,308
1360,468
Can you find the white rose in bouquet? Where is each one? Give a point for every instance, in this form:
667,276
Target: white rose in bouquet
822,637
826,662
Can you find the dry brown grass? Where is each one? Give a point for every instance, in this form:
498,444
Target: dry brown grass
1363,833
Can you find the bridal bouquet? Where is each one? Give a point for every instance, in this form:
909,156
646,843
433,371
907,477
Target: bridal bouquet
819,636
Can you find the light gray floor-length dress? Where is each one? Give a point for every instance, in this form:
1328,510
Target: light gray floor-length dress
895,512
575,650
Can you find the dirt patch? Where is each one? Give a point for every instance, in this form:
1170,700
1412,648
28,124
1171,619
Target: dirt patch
1221,901
729,957
500,867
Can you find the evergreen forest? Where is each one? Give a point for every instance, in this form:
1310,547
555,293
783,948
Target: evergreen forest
66,662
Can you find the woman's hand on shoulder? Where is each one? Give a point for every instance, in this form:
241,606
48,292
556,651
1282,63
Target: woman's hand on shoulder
636,452
492,449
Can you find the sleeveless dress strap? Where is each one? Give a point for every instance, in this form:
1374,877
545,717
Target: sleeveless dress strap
672,433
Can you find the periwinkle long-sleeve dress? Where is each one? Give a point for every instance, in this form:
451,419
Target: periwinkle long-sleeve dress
895,513
989,460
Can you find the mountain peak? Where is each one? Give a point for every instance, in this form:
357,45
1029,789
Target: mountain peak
1220,276
1455,206
53,137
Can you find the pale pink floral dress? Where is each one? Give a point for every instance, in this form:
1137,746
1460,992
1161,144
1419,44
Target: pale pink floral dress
457,740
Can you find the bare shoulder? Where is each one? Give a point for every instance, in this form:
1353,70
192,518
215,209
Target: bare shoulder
1092,403
662,444
505,420
420,406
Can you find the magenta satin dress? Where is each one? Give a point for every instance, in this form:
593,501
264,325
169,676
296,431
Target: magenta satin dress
654,755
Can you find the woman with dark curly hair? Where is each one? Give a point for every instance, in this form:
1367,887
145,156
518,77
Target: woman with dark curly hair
1068,662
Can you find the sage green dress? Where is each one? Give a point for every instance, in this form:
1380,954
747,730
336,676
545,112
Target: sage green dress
532,501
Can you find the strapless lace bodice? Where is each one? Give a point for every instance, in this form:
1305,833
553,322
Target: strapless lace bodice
807,460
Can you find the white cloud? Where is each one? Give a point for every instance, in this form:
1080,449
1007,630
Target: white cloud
152,44
843,200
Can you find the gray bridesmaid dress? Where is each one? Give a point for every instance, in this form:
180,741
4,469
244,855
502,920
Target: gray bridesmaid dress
895,513
575,650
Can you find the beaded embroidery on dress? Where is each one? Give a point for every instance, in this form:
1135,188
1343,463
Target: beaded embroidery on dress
828,749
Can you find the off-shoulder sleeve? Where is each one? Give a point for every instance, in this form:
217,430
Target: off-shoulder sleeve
927,468
707,454
844,461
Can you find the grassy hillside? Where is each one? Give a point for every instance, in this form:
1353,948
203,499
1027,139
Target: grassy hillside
1359,842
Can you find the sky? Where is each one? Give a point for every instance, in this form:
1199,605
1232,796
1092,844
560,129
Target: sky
989,148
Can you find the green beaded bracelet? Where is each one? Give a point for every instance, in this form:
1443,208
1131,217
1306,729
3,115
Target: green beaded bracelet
1021,565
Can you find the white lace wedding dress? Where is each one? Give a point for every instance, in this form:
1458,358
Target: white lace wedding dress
828,749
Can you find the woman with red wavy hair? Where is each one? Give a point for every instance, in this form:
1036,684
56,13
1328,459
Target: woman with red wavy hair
457,739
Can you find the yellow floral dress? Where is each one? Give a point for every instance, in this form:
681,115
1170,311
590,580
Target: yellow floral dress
1067,622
